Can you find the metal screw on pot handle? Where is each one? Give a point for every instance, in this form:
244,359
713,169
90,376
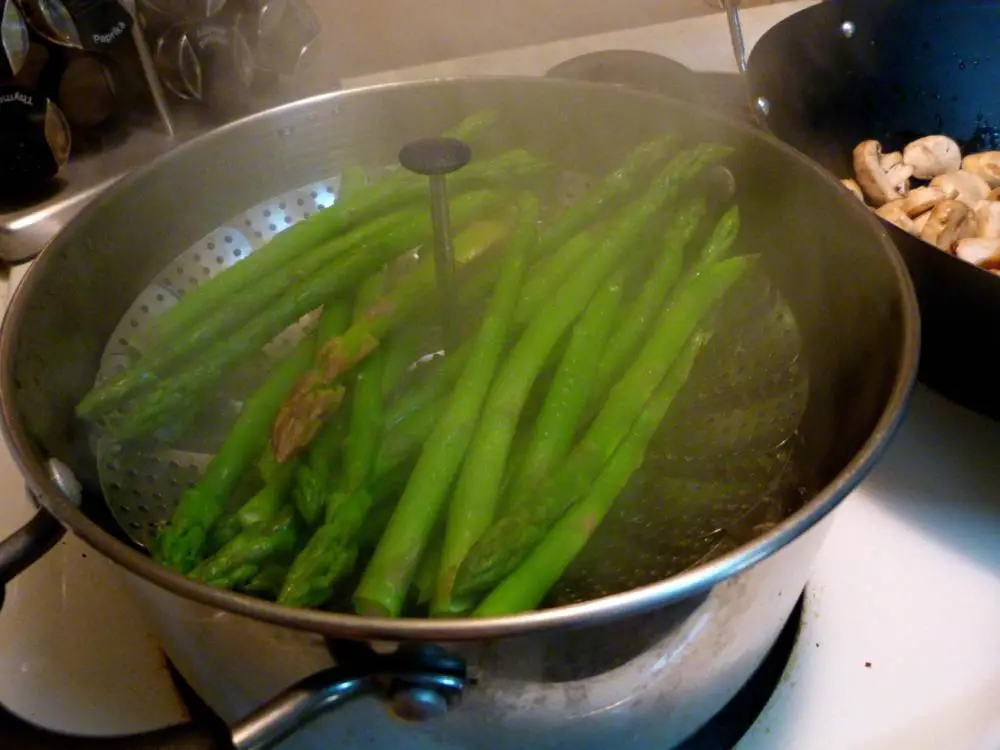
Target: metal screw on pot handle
435,158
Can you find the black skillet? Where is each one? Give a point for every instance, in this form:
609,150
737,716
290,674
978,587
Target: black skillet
847,70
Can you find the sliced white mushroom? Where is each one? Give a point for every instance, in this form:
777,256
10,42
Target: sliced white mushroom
888,161
932,156
895,213
921,200
988,219
985,165
920,222
949,222
962,186
880,186
854,187
979,252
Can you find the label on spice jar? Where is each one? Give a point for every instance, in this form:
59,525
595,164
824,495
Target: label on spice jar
100,24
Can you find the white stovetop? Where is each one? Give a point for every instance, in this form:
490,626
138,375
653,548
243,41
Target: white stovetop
901,643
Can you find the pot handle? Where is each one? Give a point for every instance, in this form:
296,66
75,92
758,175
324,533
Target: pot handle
419,682
27,545
31,542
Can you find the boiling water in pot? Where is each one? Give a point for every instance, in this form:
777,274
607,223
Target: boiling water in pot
721,469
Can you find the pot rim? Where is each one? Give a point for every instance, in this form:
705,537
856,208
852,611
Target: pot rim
634,601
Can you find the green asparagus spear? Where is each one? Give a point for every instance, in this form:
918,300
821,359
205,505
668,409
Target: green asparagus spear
570,240
264,505
401,352
329,555
389,573
366,419
565,242
571,389
175,394
314,471
396,191
404,439
551,271
543,281
543,284
267,582
394,229
639,164
641,313
474,503
425,579
383,239
298,418
412,418
258,510
179,545
366,423
332,551
526,587
222,532
722,239
474,126
235,577
240,560
506,543
313,477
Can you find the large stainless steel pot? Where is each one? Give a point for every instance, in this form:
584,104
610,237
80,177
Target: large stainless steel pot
650,664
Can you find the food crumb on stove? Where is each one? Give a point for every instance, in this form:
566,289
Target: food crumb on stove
817,645
868,665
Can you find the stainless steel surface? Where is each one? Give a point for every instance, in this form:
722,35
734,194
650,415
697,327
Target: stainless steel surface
24,231
143,486
268,726
67,483
648,681
417,684
95,260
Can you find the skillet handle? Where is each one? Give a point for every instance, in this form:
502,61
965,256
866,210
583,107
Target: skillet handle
759,107
732,8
